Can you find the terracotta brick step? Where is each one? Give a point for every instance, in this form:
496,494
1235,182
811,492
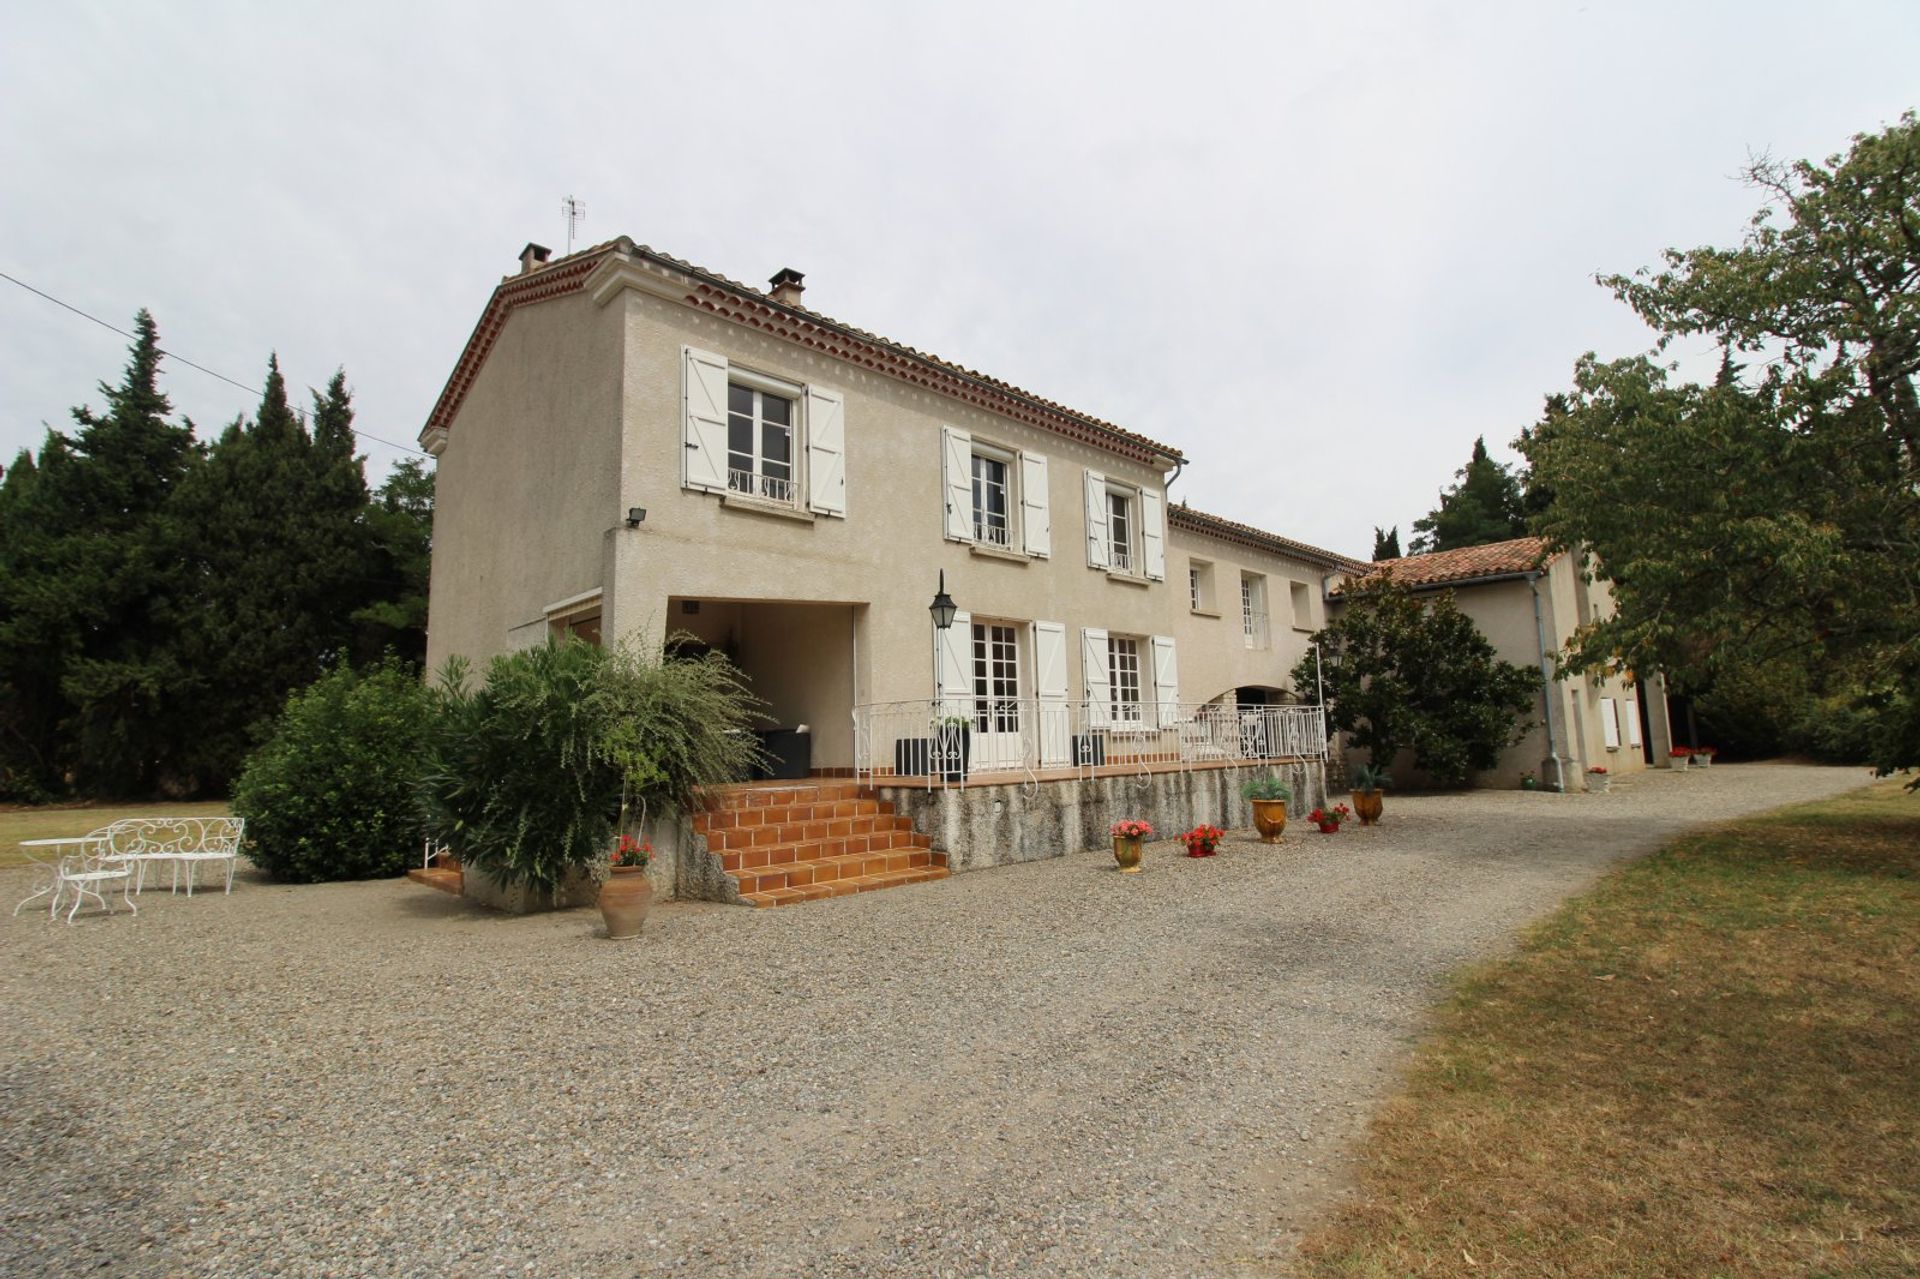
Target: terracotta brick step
719,841
780,814
735,860
826,870
787,896
763,795
448,879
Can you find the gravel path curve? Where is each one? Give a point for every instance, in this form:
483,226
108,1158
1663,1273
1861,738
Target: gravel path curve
1039,1069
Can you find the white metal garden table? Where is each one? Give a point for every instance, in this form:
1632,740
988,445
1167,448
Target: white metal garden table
83,871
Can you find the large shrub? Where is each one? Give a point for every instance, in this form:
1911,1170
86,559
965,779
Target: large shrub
531,771
1402,673
333,793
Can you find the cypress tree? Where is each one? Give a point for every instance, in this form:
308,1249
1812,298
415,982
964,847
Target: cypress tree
86,585
274,531
1485,506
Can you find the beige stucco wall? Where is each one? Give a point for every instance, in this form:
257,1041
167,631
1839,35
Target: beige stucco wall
1214,656
527,485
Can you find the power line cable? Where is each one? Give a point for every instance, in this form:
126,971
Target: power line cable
181,359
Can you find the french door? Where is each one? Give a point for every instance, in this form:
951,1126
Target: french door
996,697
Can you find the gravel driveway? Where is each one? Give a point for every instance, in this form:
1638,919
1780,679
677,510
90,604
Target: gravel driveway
1039,1069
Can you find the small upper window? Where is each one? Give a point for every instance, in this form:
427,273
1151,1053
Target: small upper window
1120,529
1253,609
1302,606
760,443
992,520
1200,586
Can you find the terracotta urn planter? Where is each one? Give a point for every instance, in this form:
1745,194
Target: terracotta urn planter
1270,819
1127,852
625,899
1366,806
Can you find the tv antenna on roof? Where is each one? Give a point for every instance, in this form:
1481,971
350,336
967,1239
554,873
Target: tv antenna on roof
575,211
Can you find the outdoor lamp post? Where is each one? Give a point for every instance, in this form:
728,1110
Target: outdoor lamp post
942,607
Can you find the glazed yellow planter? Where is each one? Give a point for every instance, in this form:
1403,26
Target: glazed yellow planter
1270,819
1366,806
1128,852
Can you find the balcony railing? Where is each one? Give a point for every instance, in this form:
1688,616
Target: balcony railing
768,487
943,743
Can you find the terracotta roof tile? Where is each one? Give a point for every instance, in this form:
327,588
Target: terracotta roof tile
1184,516
716,292
1469,563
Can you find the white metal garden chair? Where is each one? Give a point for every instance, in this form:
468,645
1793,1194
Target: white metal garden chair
86,874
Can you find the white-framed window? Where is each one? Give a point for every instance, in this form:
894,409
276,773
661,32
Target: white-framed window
1122,526
1123,666
992,497
1302,605
1126,528
1200,586
758,440
760,443
1253,609
996,496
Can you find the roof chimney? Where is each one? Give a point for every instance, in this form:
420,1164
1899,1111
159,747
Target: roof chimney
533,257
787,286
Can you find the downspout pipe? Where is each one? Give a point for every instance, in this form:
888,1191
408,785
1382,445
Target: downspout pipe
1546,685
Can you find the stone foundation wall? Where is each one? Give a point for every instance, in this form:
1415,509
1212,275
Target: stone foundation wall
980,826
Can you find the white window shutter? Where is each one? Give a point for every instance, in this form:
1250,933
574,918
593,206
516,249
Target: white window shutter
1153,532
1050,688
1610,722
956,451
704,459
1096,520
953,671
1166,680
1036,523
1094,669
826,452
1632,707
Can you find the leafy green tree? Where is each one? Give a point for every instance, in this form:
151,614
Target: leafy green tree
87,591
1401,673
1386,543
1484,506
1765,530
400,525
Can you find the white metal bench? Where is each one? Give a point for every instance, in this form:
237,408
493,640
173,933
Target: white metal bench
182,842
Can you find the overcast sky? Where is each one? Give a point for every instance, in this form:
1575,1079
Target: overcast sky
1319,248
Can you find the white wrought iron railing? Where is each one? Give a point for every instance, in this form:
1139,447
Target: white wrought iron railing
945,742
770,487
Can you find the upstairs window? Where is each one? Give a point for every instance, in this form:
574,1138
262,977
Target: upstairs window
1120,524
757,440
759,443
992,519
1253,609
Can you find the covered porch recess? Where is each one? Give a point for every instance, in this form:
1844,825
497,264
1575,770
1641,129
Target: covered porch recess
798,657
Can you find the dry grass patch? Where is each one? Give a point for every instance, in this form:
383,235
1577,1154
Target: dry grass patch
53,820
1708,1066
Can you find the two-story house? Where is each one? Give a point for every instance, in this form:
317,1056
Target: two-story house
630,446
